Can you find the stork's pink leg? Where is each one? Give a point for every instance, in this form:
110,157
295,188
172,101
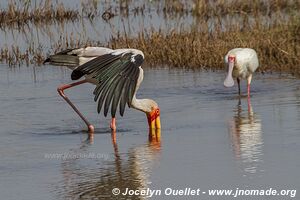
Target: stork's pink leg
113,124
248,90
249,105
60,91
114,137
248,85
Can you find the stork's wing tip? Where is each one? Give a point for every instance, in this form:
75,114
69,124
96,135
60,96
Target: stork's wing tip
76,74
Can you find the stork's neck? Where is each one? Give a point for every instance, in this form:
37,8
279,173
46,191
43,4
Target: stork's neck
144,105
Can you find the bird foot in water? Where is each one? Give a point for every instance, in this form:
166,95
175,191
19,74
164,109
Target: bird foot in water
91,129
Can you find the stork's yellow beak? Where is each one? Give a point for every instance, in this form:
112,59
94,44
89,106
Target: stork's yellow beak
154,119
155,138
157,123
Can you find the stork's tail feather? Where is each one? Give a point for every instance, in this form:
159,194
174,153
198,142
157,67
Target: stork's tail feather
47,60
63,60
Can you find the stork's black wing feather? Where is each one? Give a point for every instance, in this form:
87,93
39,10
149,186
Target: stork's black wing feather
117,75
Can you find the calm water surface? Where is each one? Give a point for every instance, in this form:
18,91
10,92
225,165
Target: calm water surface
210,139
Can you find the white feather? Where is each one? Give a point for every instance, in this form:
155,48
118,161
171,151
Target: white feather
133,51
91,51
246,61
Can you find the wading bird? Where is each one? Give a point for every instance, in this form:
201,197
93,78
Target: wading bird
242,63
117,75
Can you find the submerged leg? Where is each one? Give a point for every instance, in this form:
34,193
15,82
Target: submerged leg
114,137
60,91
239,85
248,85
249,106
113,124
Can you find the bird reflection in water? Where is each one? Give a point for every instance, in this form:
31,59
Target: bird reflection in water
246,136
95,179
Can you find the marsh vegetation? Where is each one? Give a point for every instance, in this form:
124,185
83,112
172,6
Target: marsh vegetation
187,34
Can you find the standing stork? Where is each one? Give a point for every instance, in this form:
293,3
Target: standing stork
117,75
242,63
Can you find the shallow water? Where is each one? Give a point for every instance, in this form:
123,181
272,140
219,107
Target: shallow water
210,139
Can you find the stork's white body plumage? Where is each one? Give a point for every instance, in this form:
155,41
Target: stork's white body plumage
242,63
89,53
117,75
246,62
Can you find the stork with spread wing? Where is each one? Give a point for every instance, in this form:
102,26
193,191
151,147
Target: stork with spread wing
117,75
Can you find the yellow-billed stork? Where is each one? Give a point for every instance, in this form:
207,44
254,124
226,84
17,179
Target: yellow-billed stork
117,75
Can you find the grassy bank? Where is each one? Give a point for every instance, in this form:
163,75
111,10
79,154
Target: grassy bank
278,48
275,37
21,12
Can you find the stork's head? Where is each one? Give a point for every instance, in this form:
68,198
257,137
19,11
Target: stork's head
153,114
229,80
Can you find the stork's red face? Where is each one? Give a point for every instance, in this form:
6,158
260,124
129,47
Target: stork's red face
154,118
229,80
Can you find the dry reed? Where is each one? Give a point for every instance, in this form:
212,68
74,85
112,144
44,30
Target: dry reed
278,47
22,12
277,43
